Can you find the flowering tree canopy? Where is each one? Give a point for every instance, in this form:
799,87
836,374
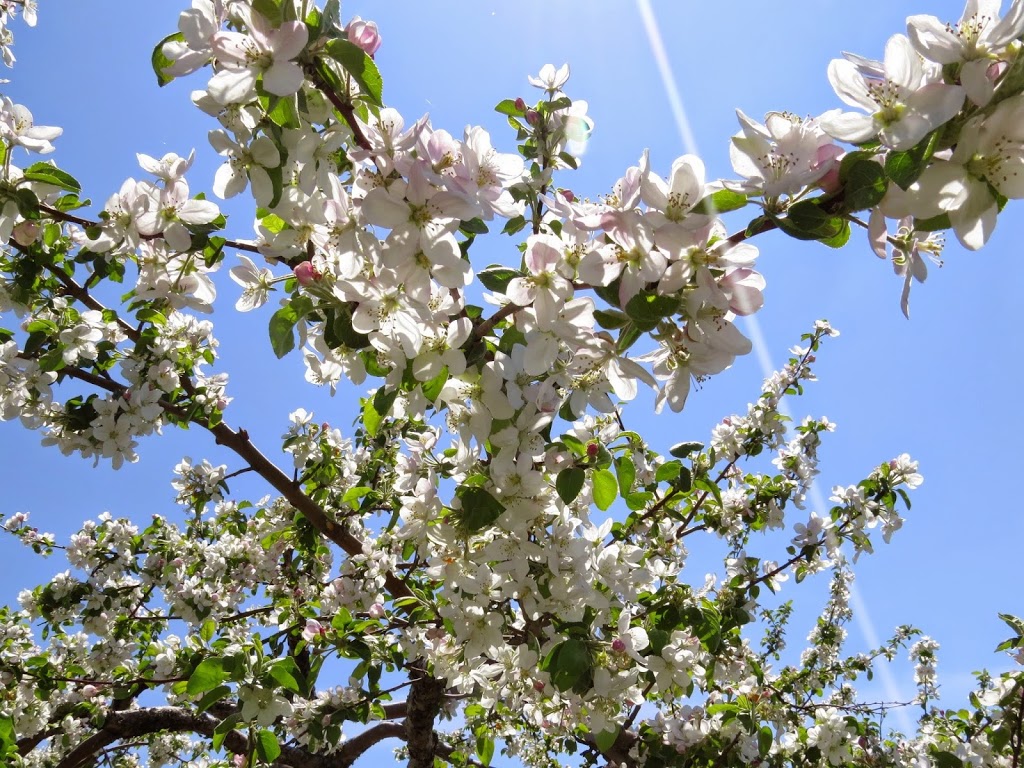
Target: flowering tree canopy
490,559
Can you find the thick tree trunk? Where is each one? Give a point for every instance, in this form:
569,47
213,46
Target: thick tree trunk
425,699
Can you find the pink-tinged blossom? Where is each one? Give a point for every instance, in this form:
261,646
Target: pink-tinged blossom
485,174
782,157
630,254
262,52
904,100
974,44
198,26
363,34
670,202
544,288
420,217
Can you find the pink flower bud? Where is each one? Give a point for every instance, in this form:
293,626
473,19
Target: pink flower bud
568,195
520,104
532,116
829,156
538,686
592,450
26,233
364,34
88,691
617,645
376,611
306,273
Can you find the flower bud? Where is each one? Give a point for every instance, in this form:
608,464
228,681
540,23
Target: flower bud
363,34
568,195
376,611
532,116
521,104
617,645
592,450
26,233
306,273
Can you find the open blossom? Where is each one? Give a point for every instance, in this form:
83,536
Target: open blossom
255,282
18,130
783,156
544,288
988,156
551,79
263,52
903,99
909,248
197,25
974,44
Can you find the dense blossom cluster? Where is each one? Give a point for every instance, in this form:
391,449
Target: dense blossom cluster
491,543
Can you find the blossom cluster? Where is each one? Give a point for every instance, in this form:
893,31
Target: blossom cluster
491,530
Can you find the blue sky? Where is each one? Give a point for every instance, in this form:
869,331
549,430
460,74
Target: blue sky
942,386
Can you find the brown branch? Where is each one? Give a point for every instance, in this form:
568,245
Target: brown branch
425,699
488,325
53,213
343,107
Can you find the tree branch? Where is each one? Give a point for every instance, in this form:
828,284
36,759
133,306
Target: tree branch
425,698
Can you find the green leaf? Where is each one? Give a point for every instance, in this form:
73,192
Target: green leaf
628,336
496,277
208,675
863,180
605,489
508,107
570,665
270,10
569,483
933,223
284,111
474,227
807,220
479,508
647,309
605,740
626,471
841,238
611,318
283,322
288,675
267,748
161,62
360,66
668,471
904,168
212,697
722,201
484,747
224,727
48,174
682,450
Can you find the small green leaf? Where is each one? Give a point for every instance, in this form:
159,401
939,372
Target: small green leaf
484,748
626,471
496,277
161,62
212,697
682,450
611,319
208,675
224,727
722,201
360,66
863,180
808,220
267,748
48,174
479,508
282,330
570,666
287,674
569,483
647,309
668,471
606,488
906,167
605,740
508,107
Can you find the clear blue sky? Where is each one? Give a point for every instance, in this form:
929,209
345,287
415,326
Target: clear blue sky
942,387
